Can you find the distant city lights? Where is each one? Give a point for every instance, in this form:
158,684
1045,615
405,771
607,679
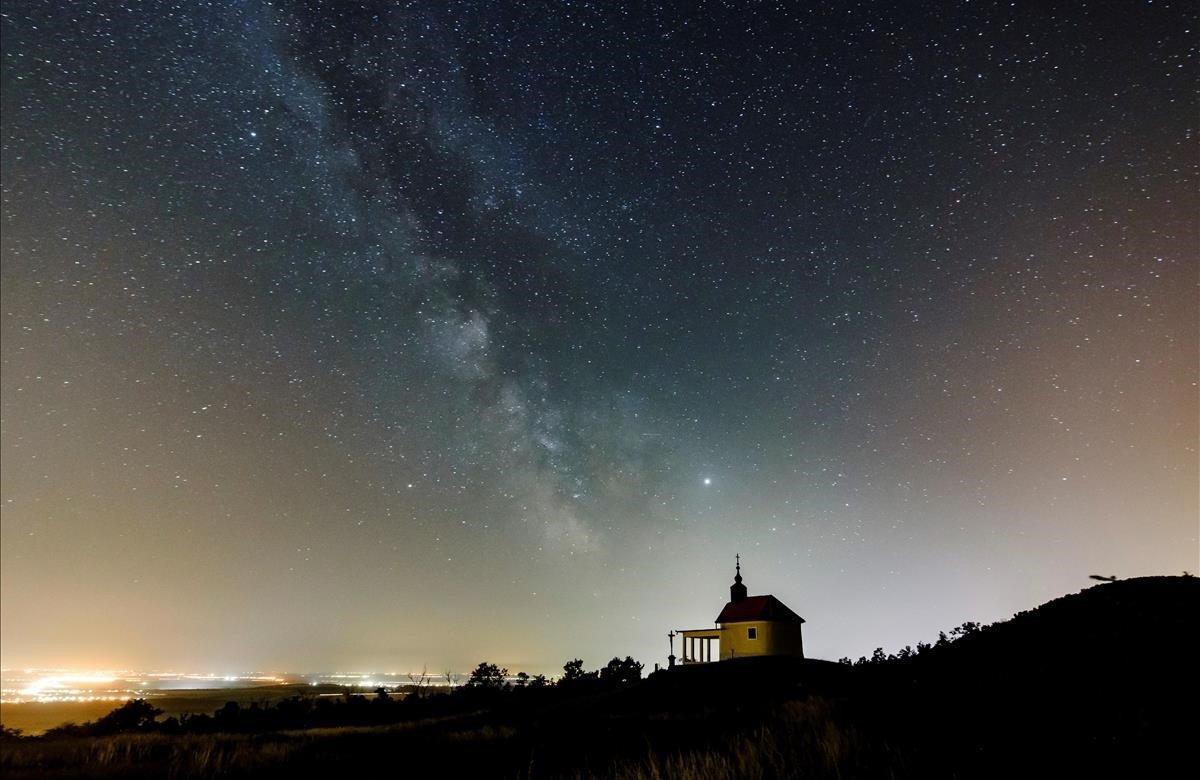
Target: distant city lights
22,686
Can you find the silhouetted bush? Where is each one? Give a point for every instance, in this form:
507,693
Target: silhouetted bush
620,672
488,676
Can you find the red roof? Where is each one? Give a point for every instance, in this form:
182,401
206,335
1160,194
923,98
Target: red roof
757,608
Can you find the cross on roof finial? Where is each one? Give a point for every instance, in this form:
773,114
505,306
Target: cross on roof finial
737,591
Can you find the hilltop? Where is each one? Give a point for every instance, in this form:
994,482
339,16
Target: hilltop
1099,683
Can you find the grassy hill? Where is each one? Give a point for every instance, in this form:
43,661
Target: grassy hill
1102,682
1099,683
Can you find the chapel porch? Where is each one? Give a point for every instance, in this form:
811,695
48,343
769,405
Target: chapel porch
700,646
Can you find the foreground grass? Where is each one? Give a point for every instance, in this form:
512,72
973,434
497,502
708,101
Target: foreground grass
601,732
804,738
204,756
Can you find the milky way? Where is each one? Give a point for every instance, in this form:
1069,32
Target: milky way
371,336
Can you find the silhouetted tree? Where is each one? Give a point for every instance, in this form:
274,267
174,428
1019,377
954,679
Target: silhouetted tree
574,677
966,629
621,671
419,682
133,715
487,676
573,671
227,717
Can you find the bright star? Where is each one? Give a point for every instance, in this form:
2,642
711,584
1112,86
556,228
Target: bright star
708,480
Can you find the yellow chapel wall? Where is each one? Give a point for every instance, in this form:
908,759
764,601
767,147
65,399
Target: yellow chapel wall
774,638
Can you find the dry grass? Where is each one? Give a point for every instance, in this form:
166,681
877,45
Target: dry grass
186,756
195,755
805,739
809,738
175,756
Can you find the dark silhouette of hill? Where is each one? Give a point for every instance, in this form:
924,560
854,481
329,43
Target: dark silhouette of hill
1100,683
1145,620
1097,683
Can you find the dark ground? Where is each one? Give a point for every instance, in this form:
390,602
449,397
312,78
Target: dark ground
1102,683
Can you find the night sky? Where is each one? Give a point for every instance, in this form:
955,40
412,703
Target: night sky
374,336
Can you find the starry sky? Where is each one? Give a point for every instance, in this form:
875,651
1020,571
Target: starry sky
373,336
